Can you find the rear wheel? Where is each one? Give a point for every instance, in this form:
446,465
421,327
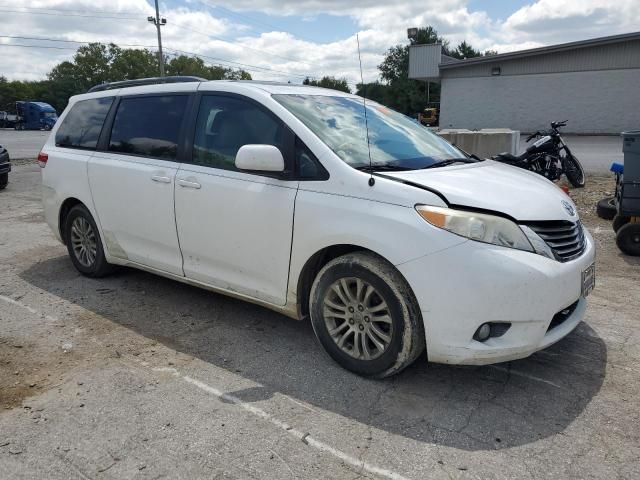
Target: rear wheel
4,180
84,244
366,316
574,171
628,239
606,208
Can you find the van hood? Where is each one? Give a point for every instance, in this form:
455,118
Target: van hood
490,185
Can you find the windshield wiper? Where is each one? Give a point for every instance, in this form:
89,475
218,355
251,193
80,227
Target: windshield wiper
450,161
382,168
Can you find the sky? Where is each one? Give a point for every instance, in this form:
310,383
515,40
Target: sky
286,40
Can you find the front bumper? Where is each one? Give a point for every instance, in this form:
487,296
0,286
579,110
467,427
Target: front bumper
461,288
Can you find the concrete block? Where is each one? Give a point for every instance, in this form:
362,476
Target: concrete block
483,143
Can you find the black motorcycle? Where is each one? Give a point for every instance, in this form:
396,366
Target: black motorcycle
549,156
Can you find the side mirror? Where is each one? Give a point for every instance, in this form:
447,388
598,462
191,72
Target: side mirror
260,158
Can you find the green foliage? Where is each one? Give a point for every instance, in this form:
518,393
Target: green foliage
406,95
184,65
97,63
464,50
329,82
399,92
426,36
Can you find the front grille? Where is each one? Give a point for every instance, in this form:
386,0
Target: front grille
565,238
560,317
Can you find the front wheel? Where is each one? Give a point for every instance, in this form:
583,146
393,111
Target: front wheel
366,316
84,244
574,171
4,180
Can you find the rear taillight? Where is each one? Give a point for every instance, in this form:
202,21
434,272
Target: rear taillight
42,159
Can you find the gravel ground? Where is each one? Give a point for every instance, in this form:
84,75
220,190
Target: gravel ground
135,376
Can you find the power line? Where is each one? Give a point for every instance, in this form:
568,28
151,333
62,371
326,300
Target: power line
44,39
232,43
250,67
35,46
246,66
71,15
254,21
114,12
236,14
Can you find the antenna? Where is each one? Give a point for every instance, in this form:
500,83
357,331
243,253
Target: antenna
372,181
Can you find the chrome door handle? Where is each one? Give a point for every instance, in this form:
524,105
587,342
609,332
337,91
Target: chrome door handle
188,184
160,178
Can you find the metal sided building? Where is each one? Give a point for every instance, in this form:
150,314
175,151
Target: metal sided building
595,84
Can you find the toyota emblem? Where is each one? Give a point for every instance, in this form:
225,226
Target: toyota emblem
569,208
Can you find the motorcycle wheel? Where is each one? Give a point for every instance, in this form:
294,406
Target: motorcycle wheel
574,171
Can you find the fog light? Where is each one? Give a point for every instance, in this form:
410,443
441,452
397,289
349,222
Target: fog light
483,332
491,330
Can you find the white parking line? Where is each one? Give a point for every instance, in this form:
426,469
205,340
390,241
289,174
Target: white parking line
27,308
299,435
258,412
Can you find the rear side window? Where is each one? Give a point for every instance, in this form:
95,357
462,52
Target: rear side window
81,127
148,126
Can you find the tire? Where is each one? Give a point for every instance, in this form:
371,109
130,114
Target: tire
392,332
628,239
4,180
619,221
574,171
606,208
81,232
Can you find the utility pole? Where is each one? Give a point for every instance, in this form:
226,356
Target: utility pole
158,22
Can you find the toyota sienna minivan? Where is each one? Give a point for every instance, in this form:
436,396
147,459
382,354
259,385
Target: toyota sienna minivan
312,203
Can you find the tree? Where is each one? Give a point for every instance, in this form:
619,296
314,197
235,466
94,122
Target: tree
329,82
131,64
401,93
427,36
195,66
97,63
464,50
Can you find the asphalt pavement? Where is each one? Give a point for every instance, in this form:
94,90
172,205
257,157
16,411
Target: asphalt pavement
23,144
136,376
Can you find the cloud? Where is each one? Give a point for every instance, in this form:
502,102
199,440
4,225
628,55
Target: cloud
278,55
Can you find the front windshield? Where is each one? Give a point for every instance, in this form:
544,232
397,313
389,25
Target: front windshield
395,140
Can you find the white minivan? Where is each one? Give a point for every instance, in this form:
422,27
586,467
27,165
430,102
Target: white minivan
306,201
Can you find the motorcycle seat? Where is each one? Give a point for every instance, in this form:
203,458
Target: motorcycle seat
507,157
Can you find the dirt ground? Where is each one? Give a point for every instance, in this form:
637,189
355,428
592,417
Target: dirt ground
135,376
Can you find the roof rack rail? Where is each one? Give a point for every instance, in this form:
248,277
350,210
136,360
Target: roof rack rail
144,81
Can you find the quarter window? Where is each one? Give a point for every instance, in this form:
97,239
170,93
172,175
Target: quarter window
148,126
81,127
225,124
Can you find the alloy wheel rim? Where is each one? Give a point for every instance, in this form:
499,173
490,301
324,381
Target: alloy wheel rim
83,241
357,318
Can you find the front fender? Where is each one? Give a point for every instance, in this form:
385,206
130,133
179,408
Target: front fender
395,232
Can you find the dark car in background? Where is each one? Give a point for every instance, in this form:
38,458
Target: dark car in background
5,167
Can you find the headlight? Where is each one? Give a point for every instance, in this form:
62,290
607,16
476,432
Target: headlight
477,226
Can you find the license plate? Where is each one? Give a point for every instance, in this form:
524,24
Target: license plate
588,279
